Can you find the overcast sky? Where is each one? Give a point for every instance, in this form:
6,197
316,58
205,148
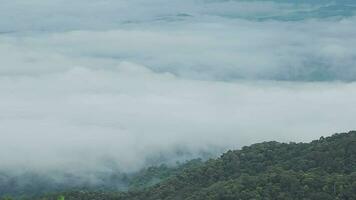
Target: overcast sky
88,82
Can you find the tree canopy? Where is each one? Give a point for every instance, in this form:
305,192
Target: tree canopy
322,169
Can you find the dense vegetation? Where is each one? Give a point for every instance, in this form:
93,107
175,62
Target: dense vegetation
323,169
32,185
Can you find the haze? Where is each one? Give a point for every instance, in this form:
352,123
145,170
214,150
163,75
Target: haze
87,85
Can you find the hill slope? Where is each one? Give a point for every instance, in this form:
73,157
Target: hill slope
322,169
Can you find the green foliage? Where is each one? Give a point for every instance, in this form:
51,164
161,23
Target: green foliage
6,198
31,186
61,197
153,175
323,169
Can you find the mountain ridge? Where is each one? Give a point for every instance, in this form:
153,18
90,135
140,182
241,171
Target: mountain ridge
321,169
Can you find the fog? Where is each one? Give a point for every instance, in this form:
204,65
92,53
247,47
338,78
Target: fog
94,85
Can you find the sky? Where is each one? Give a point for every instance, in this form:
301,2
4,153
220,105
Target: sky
121,83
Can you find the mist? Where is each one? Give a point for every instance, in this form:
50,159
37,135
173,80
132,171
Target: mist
92,86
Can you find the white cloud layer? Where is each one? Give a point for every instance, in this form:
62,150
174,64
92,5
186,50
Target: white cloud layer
129,113
218,40
83,83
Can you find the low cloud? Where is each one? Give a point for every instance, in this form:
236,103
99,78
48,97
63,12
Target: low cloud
219,50
116,83
129,113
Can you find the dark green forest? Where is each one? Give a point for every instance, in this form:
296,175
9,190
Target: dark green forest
322,169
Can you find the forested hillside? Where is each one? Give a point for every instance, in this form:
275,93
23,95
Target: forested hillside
32,185
323,169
